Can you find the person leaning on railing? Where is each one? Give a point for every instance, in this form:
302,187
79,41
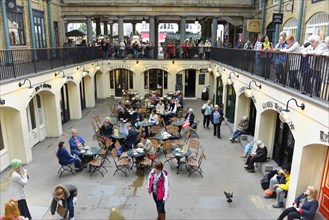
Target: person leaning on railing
207,49
324,93
279,60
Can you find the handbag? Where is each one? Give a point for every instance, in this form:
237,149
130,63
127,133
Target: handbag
61,210
203,110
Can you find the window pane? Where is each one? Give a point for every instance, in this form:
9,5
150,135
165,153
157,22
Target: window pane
32,114
2,145
16,28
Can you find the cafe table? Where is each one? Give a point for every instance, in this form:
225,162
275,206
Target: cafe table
136,154
88,153
162,137
145,125
179,154
179,124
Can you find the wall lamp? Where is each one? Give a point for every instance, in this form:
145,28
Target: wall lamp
173,62
143,21
284,114
31,90
222,68
2,101
229,80
196,22
137,62
248,91
61,71
97,65
84,71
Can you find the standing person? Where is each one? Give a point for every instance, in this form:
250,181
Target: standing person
171,49
184,49
76,143
207,49
201,49
191,45
158,186
257,48
248,45
160,107
18,179
259,156
265,57
279,60
12,211
216,119
148,49
208,108
242,127
131,138
304,207
68,195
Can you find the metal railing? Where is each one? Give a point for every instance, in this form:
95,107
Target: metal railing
20,62
308,74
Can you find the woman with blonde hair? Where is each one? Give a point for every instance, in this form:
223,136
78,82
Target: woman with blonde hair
304,206
18,179
12,211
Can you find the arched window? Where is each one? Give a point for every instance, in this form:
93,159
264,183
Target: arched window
317,24
290,26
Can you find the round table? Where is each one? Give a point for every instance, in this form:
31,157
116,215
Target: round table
161,137
134,154
89,153
120,135
180,154
179,124
145,125
166,116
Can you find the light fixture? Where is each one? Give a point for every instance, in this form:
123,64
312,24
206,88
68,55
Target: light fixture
137,62
229,80
196,22
284,114
61,71
222,68
209,69
31,90
173,62
97,65
84,71
2,101
143,21
248,91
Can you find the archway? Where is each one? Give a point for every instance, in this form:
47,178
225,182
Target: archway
317,24
121,79
156,80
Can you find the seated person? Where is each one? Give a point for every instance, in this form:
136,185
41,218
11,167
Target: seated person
154,99
243,126
146,144
119,106
130,140
138,118
247,149
172,107
127,104
107,127
304,207
259,156
123,117
64,158
160,107
279,185
154,118
189,118
76,143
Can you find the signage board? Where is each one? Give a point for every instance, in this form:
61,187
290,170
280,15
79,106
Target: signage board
277,18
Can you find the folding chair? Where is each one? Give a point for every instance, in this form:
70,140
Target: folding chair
95,128
65,168
105,147
117,146
97,164
167,146
195,165
120,164
174,131
98,121
194,146
193,130
186,139
155,130
155,143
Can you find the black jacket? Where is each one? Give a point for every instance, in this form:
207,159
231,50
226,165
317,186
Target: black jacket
191,120
131,138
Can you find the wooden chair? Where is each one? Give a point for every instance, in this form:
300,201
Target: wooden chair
194,146
95,128
174,131
194,130
97,164
186,139
167,147
155,130
143,110
121,164
195,165
65,168
113,109
155,143
98,121
105,147
139,137
117,146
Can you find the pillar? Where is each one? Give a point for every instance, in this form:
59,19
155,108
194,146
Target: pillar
5,24
245,34
89,29
300,20
120,28
106,32
33,42
182,32
277,26
50,24
152,34
262,24
156,38
98,27
214,32
134,27
111,29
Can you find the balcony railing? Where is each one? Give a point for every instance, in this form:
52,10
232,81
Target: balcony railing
307,74
16,63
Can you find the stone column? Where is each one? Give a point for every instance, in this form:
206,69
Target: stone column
300,20
89,29
50,24
277,26
245,34
182,32
98,27
120,28
33,42
156,39
262,24
152,34
106,32
5,24
111,30
134,27
214,32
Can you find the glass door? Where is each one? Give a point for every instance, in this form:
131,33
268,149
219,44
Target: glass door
123,81
219,91
230,103
64,103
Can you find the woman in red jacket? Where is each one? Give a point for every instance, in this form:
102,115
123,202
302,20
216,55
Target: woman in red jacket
158,185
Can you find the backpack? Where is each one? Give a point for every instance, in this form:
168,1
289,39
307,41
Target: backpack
265,181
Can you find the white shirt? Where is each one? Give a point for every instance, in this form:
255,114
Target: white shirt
160,108
17,183
154,118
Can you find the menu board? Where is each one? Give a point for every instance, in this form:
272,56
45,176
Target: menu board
202,78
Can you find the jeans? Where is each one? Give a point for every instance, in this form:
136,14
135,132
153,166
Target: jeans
76,162
206,120
70,206
248,148
236,134
291,212
160,204
217,130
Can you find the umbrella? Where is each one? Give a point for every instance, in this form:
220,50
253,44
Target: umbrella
75,33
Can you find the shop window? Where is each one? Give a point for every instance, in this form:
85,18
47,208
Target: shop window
112,80
39,29
16,27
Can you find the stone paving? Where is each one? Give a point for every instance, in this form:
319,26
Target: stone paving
120,197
